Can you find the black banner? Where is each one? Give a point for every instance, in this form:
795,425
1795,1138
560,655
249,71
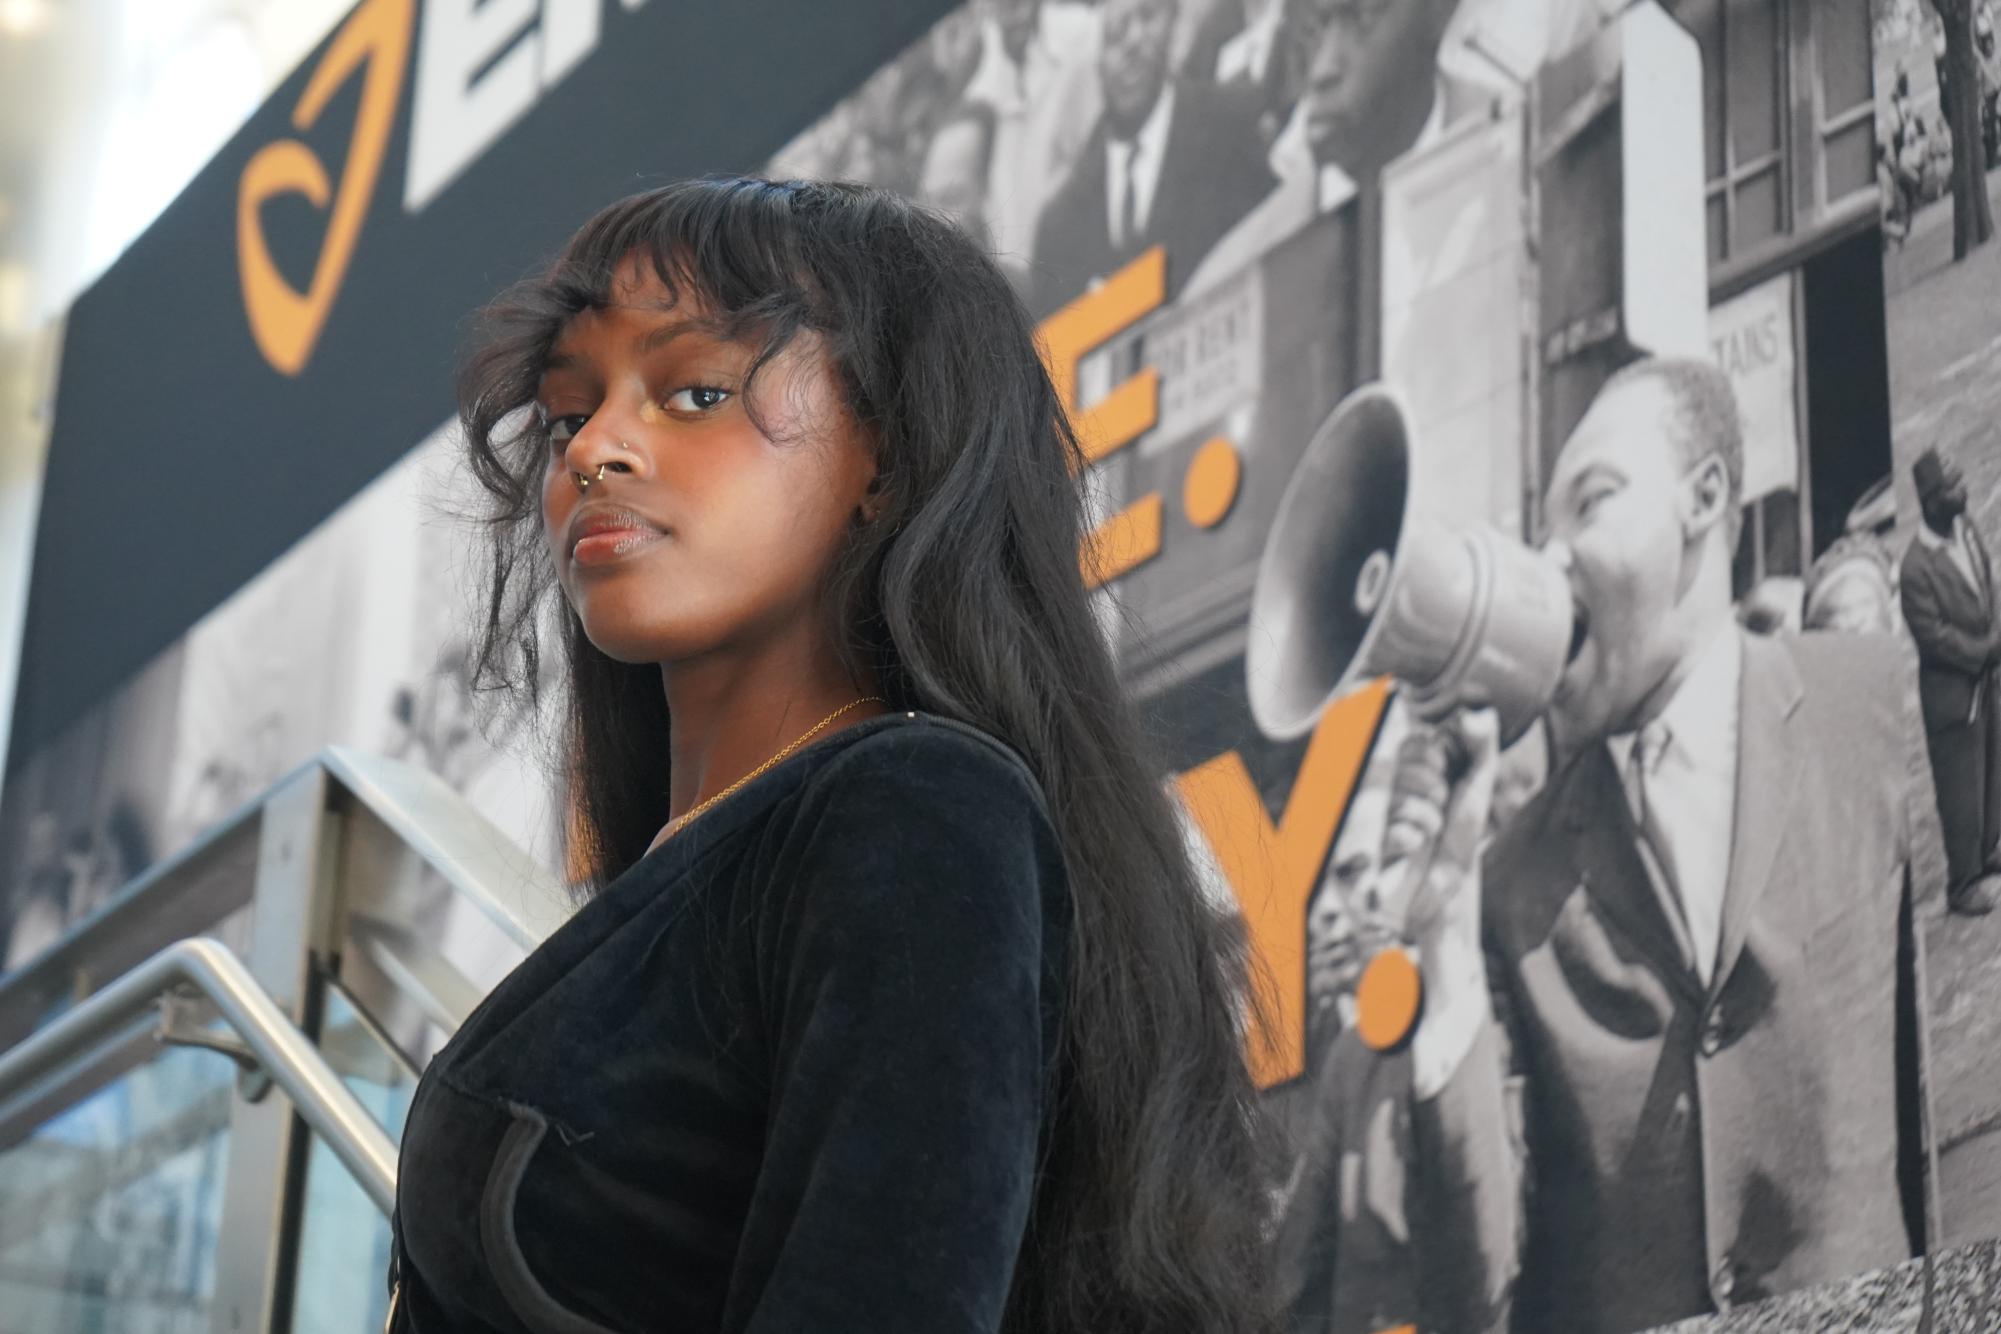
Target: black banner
286,330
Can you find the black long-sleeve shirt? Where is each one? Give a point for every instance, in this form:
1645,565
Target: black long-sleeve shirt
789,1072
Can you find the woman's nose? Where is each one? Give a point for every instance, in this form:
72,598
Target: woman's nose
600,450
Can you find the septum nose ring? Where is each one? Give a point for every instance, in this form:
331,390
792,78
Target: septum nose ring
583,482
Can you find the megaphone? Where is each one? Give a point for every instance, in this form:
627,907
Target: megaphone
1356,581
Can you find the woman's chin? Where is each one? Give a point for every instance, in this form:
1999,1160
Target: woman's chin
622,639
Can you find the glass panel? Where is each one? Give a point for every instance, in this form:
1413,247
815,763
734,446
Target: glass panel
1704,19
1851,159
343,1256
113,1207
1841,31
1718,235
1753,77
415,956
1758,216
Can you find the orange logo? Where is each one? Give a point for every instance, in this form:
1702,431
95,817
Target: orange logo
285,321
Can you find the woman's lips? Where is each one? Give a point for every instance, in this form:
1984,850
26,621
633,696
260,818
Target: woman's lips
611,545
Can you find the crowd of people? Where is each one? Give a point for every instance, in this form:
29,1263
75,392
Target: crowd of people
1914,143
1072,136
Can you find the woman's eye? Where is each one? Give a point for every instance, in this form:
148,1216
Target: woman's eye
697,398
562,429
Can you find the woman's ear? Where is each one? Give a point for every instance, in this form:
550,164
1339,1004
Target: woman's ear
873,500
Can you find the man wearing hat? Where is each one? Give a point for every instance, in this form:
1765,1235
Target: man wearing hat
1948,596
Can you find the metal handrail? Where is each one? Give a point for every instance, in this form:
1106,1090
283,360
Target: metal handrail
284,1053
483,865
214,875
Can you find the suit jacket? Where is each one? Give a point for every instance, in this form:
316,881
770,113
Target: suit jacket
1951,621
1212,173
1686,1147
1341,1255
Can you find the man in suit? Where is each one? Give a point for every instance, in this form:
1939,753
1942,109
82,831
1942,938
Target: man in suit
1668,1061
954,176
1341,1250
1341,1254
1170,162
1038,77
1948,596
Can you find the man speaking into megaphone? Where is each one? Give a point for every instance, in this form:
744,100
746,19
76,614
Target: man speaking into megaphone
1668,1057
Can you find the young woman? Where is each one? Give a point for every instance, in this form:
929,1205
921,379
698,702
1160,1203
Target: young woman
896,1005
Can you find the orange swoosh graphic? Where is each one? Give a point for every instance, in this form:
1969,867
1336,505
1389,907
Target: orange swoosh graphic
285,321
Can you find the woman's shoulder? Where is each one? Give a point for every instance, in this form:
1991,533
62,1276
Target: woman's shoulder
926,756
921,827
919,789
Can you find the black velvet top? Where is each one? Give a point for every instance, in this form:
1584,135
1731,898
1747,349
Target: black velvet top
789,1072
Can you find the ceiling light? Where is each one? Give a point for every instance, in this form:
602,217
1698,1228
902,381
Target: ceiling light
23,18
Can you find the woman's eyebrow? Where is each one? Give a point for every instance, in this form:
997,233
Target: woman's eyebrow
666,333
658,336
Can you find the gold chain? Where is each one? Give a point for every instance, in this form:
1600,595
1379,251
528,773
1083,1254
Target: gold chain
680,822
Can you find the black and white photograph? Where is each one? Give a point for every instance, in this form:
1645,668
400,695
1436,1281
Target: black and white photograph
1937,75
1461,243
336,643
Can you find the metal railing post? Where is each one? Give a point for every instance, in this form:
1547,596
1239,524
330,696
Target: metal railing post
291,922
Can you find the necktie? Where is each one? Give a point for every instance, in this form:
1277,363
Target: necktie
1129,205
1643,775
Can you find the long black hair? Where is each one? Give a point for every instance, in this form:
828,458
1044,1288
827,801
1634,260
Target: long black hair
964,597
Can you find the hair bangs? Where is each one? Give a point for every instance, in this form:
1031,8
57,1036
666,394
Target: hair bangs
729,250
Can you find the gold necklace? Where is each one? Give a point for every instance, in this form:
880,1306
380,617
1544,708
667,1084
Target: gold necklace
680,822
